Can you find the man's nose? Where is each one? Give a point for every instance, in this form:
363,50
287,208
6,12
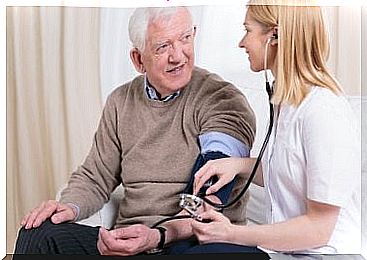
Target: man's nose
176,53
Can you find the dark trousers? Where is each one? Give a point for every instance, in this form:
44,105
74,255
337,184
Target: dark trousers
76,239
65,238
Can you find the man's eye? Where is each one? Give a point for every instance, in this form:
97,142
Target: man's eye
162,48
186,38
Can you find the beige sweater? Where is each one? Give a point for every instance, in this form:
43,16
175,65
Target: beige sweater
150,147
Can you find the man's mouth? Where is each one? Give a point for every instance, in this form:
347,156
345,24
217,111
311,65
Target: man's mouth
176,69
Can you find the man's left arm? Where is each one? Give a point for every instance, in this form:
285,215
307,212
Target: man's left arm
227,126
214,145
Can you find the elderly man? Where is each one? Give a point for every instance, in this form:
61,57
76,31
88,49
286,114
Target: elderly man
152,133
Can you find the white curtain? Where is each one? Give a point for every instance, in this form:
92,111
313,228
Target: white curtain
53,101
364,127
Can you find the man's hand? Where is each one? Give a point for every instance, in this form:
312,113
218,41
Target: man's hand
127,241
59,212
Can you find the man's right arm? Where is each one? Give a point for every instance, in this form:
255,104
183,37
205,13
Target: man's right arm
91,184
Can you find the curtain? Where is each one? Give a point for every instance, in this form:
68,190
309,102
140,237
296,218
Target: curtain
364,126
345,57
53,101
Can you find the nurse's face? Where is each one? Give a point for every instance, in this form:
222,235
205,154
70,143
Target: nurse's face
254,42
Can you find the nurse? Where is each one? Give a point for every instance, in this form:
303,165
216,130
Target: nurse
310,169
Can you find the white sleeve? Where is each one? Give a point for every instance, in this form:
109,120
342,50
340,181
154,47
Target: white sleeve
332,149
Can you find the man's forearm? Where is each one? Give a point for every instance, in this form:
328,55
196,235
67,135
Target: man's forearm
179,229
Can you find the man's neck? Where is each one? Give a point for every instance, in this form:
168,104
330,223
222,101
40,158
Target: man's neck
154,94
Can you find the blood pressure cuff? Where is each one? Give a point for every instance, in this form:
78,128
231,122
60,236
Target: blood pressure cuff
224,193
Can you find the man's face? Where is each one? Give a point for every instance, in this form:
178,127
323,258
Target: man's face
168,57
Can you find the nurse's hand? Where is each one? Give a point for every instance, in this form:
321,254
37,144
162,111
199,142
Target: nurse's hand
215,227
225,169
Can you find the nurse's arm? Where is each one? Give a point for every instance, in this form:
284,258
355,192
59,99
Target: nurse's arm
226,169
312,230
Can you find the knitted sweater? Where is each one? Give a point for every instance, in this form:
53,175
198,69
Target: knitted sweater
150,147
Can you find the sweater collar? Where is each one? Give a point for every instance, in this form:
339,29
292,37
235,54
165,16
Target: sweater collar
153,94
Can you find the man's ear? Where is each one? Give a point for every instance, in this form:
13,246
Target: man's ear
135,56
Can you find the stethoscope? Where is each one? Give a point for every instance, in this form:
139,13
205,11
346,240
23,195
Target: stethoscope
190,202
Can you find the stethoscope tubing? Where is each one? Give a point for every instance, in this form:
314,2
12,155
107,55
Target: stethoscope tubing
269,90
220,206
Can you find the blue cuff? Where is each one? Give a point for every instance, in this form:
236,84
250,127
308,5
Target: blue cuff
221,142
224,193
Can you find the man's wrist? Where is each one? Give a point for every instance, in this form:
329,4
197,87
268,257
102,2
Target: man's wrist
162,239
75,209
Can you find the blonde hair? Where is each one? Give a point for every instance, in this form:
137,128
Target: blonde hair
303,48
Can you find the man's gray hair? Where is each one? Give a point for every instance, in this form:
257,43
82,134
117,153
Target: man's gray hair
140,19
